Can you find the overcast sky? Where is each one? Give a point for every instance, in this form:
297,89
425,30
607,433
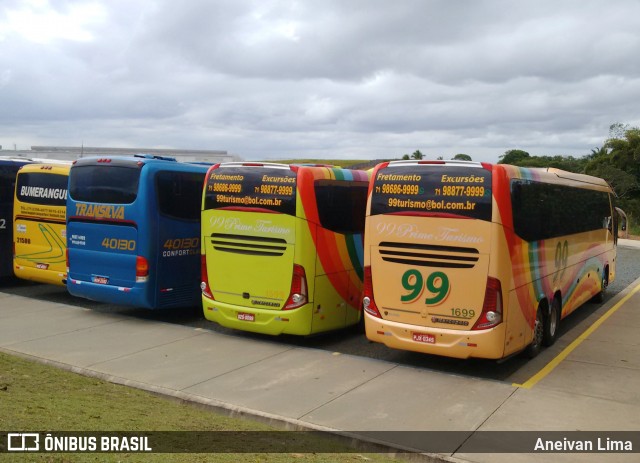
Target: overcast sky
352,79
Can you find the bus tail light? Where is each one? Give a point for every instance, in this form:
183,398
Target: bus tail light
298,294
142,269
368,302
492,307
204,284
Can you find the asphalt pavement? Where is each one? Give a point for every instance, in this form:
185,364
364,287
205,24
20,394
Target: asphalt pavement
593,384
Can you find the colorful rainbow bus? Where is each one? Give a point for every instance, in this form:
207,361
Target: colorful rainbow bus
39,218
464,259
133,231
282,247
9,167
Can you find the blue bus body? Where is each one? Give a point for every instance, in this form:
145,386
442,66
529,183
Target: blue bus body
133,231
9,167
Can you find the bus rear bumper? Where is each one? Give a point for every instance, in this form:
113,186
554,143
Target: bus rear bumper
265,321
51,277
487,344
109,294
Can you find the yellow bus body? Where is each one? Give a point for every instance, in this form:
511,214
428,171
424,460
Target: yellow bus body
251,257
40,240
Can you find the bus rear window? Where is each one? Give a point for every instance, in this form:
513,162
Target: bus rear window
272,189
43,189
433,189
104,184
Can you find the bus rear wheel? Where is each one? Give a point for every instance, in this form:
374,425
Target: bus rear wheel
605,282
551,323
538,335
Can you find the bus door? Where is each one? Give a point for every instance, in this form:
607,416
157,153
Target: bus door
103,241
178,257
249,237
429,237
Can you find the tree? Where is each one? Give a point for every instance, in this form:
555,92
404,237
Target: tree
618,162
514,157
405,157
462,157
417,155
618,130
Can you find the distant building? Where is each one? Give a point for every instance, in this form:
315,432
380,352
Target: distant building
70,153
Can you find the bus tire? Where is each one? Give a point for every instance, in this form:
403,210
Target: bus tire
552,323
535,347
599,298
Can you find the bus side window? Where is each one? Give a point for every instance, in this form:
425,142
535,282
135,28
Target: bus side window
180,194
540,210
341,205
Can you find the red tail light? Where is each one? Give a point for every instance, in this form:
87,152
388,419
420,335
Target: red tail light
492,307
142,269
298,295
67,258
204,285
368,302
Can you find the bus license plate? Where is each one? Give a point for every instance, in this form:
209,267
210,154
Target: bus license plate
100,280
424,337
247,317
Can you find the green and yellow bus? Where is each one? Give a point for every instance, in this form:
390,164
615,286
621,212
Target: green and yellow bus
282,247
39,213
466,259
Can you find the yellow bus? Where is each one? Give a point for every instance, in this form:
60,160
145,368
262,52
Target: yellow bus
39,238
282,247
466,259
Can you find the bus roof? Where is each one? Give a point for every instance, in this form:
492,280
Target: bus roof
134,157
545,174
53,167
578,177
417,162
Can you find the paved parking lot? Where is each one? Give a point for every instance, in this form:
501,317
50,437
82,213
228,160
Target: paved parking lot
590,383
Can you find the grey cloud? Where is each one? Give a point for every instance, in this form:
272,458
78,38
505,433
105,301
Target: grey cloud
359,78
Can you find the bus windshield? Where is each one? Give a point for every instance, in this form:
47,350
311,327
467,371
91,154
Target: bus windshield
463,191
268,189
105,184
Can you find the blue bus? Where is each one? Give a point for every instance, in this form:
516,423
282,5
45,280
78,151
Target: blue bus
9,167
133,231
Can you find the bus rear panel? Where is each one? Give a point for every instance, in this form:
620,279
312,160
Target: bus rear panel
40,239
9,167
428,242
268,264
133,231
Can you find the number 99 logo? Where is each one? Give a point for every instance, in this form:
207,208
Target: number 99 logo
436,284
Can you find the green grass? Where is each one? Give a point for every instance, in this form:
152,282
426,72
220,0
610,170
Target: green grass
37,397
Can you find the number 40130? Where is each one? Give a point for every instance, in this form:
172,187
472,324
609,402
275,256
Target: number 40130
119,244
436,284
